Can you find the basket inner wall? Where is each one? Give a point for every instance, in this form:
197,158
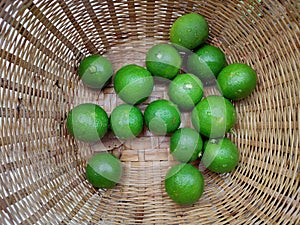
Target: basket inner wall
42,168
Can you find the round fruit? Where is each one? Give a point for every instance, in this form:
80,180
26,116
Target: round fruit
189,31
163,60
162,117
95,71
206,62
237,81
220,155
104,170
126,121
184,184
186,145
213,116
186,90
133,84
87,122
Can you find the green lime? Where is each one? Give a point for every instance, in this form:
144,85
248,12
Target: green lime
186,90
133,84
220,155
186,145
87,122
104,170
189,31
162,117
95,71
206,62
163,60
126,121
214,116
237,81
184,184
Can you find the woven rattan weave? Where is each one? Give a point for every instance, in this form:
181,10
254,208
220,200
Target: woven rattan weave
42,171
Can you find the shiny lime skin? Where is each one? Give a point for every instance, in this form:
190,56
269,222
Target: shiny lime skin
207,62
133,84
189,31
237,81
126,121
87,122
104,170
186,90
95,71
162,117
186,145
214,116
220,155
163,60
184,184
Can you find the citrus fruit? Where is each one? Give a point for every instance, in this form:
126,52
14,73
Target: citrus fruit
95,71
162,117
213,116
206,62
186,145
184,184
126,121
133,84
189,31
87,122
186,90
220,155
163,60
236,81
104,170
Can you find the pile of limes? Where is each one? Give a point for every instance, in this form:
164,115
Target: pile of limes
212,116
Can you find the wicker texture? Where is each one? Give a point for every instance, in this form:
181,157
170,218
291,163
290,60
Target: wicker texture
42,171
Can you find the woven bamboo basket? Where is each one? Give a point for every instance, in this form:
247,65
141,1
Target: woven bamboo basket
42,172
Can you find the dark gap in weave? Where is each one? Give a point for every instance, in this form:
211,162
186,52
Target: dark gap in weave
29,66
35,162
131,13
293,206
33,40
70,216
47,23
27,137
28,112
113,14
88,44
51,202
30,90
95,22
150,9
269,196
12,215
249,213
